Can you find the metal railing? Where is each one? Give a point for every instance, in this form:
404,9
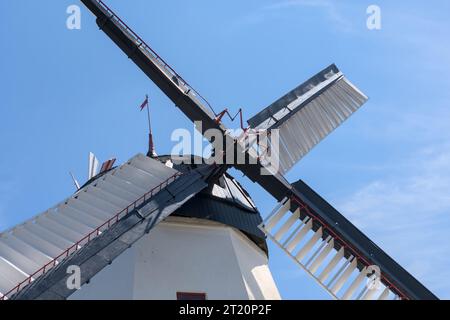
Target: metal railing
86,239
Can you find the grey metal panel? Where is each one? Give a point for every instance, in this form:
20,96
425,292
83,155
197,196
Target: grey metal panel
27,250
46,247
87,219
59,229
151,168
19,260
47,235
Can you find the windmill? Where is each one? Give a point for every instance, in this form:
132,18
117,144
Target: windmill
337,255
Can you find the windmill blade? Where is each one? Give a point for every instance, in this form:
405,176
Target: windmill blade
141,189
103,249
308,113
335,253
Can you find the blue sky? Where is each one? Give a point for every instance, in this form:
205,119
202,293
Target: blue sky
65,93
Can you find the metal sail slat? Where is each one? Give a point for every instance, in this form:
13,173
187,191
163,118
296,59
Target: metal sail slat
16,258
41,244
31,251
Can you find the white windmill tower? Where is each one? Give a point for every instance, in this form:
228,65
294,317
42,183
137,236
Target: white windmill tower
146,229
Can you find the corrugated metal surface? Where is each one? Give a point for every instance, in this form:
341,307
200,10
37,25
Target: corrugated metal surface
28,247
102,250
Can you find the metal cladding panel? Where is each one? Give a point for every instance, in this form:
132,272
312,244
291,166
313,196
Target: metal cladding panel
46,247
117,192
27,250
18,259
47,235
124,185
24,248
80,216
307,114
59,229
77,225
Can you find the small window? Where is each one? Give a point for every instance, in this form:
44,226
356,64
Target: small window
191,296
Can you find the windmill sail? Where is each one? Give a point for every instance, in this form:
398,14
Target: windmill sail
308,113
103,249
346,263
34,247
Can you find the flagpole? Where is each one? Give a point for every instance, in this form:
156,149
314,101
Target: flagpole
151,147
148,116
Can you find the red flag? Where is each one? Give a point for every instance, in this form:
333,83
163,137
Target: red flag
144,104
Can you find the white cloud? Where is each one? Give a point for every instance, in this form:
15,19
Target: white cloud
328,7
408,212
276,11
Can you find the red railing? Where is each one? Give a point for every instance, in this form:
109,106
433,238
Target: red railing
144,45
346,245
106,225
